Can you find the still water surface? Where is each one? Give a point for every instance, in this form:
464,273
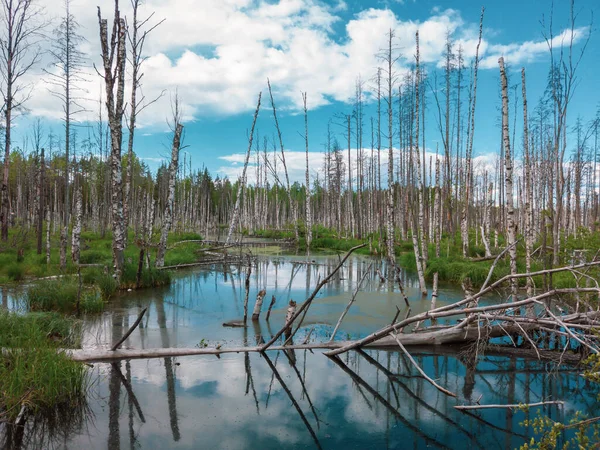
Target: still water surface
297,399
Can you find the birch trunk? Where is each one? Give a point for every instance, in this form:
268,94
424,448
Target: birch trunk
390,192
437,213
48,224
41,202
168,214
485,228
258,305
464,224
76,234
115,76
508,182
420,232
528,195
308,211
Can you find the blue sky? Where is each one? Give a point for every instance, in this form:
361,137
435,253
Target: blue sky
218,54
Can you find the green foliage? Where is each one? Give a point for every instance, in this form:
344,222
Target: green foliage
583,432
34,373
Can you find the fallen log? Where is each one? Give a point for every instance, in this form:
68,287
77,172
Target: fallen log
453,310
436,340
513,406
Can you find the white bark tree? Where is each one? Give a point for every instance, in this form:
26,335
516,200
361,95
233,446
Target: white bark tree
114,78
508,183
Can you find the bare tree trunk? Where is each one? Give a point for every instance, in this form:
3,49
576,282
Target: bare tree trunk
510,212
111,77
76,234
258,305
390,192
437,227
487,202
464,224
63,248
419,232
528,195
308,212
41,202
48,225
168,215
236,209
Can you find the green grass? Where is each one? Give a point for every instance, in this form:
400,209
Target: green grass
150,277
15,271
34,374
62,295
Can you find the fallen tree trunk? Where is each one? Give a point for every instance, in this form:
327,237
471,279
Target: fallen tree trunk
434,340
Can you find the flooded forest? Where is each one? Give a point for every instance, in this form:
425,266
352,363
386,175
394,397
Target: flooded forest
404,291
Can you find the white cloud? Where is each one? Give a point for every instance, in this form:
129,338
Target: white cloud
220,54
526,52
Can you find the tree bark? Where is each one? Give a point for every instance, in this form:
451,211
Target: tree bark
168,214
508,182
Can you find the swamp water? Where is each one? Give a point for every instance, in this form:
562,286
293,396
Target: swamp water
295,399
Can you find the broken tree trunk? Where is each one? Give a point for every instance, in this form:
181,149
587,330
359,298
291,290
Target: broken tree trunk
258,305
168,216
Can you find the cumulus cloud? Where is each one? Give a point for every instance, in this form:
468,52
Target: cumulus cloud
219,53
296,165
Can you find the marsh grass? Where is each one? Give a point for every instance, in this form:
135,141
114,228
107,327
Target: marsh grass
33,372
62,295
95,249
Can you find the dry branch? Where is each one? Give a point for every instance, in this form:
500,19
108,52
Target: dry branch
309,300
513,406
133,327
421,371
358,285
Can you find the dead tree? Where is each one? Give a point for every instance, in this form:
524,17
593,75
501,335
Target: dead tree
529,236
65,84
137,39
236,209
464,227
114,78
510,211
389,59
308,212
19,52
173,169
